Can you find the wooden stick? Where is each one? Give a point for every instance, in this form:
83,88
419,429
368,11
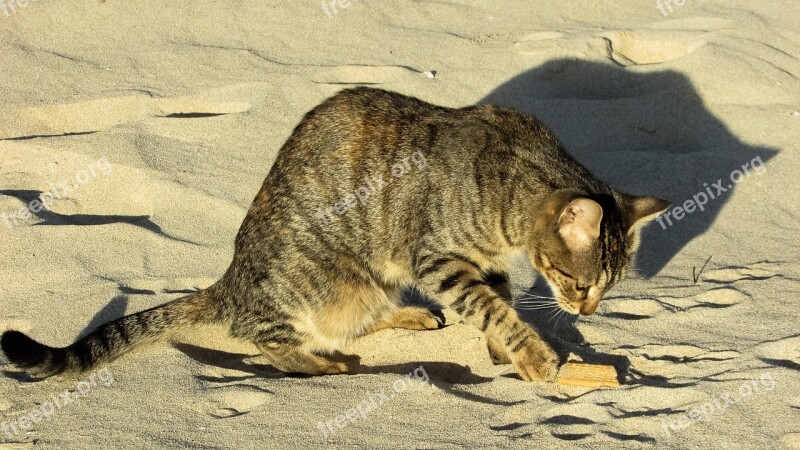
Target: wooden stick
587,375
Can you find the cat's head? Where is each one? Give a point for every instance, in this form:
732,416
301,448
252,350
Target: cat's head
584,244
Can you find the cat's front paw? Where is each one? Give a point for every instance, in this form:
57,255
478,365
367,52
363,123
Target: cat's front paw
536,361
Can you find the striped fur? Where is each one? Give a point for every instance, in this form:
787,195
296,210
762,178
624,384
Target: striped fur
110,340
306,278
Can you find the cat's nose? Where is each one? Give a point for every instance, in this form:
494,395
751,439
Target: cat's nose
590,304
588,307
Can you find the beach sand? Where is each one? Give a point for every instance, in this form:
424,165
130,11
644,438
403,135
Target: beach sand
163,118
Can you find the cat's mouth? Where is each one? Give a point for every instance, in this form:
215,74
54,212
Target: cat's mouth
573,308
582,307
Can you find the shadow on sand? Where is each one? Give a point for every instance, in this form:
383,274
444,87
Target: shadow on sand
645,134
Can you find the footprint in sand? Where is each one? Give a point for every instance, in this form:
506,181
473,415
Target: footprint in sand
541,36
634,416
685,363
548,45
704,24
650,47
625,47
574,421
364,74
566,421
645,308
639,415
236,400
632,309
783,352
96,115
720,297
761,270
683,353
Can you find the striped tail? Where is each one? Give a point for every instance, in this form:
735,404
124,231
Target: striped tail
111,339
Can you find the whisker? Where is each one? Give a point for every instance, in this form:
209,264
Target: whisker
552,314
538,300
532,307
529,302
560,316
537,296
535,300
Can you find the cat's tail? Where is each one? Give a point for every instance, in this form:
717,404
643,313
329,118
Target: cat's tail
111,339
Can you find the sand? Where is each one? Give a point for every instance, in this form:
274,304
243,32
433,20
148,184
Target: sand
164,118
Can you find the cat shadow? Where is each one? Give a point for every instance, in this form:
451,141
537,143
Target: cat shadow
446,376
117,307
436,371
645,134
227,360
113,310
248,365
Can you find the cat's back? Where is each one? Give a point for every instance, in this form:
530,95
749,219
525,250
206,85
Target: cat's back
379,103
360,129
388,108
364,130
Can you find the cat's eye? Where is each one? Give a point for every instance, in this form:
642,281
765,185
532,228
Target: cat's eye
563,273
581,288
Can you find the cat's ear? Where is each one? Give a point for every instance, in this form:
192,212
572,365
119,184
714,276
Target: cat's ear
579,223
640,210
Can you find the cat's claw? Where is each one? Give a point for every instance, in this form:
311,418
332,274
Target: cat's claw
536,362
335,368
412,318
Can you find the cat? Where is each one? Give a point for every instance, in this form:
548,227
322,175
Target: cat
453,194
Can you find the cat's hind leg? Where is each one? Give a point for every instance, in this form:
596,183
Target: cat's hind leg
284,345
409,318
321,327
295,330
295,324
294,360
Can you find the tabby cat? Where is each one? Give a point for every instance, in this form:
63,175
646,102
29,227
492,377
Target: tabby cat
375,192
